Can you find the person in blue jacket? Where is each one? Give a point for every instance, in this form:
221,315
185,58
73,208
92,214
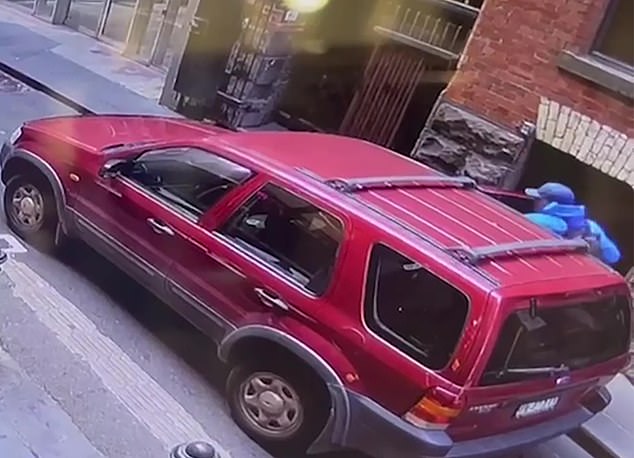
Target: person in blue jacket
556,210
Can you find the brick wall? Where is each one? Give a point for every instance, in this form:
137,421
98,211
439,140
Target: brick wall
510,62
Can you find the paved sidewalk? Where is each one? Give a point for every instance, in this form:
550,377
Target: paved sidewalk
81,68
612,429
32,424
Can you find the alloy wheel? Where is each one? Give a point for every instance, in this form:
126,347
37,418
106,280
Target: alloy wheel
27,207
271,405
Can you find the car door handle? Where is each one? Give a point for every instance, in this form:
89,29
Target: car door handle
270,300
160,227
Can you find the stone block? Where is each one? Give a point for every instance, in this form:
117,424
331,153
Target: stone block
619,162
599,141
560,128
606,165
569,135
628,151
551,122
580,134
458,142
602,155
619,143
542,117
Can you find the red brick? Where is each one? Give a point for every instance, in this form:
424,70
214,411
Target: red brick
514,51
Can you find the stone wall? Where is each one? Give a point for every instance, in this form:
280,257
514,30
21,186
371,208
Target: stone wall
461,143
588,140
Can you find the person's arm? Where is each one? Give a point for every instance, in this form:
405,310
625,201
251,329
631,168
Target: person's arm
610,253
552,223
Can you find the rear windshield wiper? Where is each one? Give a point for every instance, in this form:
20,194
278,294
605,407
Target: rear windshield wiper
552,370
549,370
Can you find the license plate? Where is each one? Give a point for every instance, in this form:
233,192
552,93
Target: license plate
537,407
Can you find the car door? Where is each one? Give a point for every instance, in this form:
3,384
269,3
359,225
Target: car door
117,215
274,250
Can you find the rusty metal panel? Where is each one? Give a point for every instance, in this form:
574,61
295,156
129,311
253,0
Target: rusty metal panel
377,109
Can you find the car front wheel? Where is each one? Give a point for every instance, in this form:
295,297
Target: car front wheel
283,407
30,209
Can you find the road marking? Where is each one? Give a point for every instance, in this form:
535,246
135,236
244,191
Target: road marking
14,245
146,400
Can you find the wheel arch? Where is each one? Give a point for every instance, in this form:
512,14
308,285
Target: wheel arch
336,426
22,161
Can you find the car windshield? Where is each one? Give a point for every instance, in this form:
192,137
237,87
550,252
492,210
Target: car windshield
558,340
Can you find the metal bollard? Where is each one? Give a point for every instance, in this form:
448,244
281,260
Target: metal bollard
195,449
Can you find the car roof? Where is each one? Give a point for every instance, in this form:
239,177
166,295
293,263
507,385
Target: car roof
447,217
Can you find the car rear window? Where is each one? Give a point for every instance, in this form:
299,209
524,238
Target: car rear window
411,308
554,340
519,203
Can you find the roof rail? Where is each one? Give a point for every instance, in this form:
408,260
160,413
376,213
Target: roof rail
421,181
532,247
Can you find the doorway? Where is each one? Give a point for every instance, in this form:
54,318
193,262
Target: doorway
609,201
155,28
87,15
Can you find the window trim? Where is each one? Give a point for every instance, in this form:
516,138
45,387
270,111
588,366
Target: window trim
220,232
393,347
598,68
598,71
602,32
171,205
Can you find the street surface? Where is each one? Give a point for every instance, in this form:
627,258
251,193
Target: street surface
112,363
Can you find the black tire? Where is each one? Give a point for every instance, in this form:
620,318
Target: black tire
312,394
42,234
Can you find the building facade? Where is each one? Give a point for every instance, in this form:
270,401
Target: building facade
564,65
509,92
544,91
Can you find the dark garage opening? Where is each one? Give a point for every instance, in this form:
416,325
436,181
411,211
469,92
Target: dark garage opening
609,201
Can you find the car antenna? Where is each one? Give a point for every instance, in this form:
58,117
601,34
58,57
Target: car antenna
532,307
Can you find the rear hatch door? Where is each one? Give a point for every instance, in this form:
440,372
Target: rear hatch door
543,358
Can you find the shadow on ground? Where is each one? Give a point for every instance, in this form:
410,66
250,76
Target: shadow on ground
176,333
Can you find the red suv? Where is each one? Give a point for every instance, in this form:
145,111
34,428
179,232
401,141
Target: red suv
362,300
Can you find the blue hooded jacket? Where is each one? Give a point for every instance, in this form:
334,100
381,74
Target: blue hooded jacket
555,217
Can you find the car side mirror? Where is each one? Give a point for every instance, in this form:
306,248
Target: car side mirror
112,168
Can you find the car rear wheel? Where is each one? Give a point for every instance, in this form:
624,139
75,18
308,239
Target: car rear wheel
30,209
282,407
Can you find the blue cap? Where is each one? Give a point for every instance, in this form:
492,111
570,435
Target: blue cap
552,192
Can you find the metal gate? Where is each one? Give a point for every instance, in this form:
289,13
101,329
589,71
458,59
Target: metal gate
416,40
377,109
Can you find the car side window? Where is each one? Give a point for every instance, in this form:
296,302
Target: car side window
189,179
413,309
292,235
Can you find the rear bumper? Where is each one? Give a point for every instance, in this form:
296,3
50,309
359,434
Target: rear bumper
381,434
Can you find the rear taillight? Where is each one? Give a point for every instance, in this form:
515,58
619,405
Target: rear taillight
435,410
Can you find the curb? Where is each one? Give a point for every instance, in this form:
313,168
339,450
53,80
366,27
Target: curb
34,84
